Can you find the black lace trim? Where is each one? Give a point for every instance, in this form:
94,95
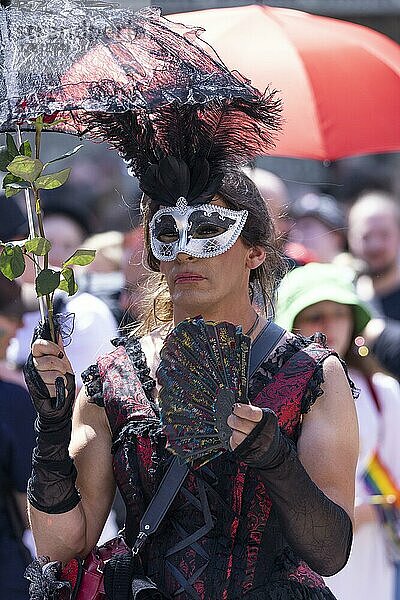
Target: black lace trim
269,368
43,575
92,380
129,432
138,359
93,385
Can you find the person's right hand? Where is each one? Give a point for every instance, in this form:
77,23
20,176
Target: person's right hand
50,380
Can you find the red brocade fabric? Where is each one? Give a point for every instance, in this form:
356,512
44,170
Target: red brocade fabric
222,537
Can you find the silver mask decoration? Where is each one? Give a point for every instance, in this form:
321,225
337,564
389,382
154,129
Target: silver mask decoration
202,231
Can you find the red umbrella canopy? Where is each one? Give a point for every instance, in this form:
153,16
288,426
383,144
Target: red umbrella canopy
340,82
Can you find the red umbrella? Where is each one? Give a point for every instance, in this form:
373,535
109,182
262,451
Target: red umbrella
340,82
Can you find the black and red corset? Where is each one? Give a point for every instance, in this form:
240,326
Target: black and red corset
222,537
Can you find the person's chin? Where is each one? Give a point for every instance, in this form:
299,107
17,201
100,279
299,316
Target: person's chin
189,297
377,270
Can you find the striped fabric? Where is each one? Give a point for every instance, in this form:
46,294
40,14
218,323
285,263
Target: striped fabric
379,481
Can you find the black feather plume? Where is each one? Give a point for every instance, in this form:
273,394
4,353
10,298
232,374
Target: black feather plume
200,141
184,150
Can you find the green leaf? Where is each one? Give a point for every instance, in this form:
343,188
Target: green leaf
11,147
68,284
26,167
10,178
13,189
47,281
66,155
12,262
5,158
25,149
53,181
38,245
81,257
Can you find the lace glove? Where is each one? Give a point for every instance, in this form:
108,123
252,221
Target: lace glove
317,528
51,488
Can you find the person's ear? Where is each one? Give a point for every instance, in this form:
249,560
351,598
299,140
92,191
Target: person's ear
255,257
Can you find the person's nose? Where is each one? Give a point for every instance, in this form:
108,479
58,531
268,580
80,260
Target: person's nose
182,257
374,244
329,328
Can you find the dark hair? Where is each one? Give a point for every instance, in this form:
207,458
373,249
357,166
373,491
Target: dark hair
240,193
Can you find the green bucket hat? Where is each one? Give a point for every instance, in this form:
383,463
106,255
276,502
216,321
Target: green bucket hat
316,282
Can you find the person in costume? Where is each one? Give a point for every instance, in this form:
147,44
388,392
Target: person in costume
335,309
265,520
272,513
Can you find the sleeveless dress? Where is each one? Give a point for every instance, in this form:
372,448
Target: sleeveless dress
221,539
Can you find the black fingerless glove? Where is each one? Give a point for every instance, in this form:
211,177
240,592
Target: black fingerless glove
318,530
51,488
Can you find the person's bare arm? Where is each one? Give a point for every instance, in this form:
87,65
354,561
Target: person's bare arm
63,536
311,485
328,444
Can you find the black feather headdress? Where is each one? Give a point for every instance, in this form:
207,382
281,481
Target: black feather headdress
184,150
184,146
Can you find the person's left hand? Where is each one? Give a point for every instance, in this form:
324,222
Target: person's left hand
242,421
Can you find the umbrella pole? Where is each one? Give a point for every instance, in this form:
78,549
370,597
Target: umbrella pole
32,232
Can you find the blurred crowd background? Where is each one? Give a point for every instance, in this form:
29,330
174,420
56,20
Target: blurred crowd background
343,214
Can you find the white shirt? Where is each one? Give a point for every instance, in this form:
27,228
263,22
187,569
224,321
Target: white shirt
369,575
94,327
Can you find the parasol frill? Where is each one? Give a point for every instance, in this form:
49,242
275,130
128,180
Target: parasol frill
96,58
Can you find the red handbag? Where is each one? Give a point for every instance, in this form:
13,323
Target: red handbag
86,576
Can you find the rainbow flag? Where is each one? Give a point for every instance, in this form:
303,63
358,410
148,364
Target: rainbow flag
379,480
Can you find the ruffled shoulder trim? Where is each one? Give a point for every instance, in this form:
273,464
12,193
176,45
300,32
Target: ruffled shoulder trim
314,388
92,380
271,366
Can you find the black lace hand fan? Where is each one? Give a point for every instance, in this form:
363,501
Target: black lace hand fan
204,370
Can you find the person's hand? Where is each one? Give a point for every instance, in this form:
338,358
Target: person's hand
242,421
51,384
255,434
50,380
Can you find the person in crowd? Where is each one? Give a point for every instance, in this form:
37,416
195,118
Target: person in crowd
319,225
66,232
374,237
93,324
382,336
275,193
136,276
17,440
103,278
333,308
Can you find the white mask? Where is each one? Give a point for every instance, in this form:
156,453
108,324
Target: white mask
201,231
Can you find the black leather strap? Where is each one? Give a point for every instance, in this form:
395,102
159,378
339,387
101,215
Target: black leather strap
264,343
173,479
161,501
